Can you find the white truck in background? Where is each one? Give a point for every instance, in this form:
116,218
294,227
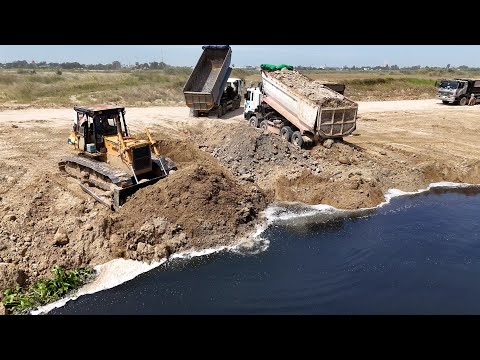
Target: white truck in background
276,107
458,91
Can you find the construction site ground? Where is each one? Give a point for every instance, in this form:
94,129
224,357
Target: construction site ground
227,175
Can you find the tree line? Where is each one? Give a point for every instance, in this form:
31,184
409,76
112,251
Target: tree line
115,65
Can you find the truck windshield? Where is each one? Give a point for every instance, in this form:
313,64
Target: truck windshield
449,84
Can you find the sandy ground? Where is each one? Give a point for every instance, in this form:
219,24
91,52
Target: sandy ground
224,167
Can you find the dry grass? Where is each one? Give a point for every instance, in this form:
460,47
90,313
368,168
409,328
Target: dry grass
47,88
164,87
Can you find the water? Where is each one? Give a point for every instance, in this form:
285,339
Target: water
418,254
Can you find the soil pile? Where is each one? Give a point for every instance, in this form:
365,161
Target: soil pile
330,173
311,89
198,206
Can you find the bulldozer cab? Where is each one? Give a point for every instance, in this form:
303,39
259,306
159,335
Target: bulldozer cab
93,123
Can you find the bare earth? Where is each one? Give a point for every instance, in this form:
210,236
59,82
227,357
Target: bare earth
227,174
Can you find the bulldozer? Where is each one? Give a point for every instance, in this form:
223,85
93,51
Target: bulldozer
108,163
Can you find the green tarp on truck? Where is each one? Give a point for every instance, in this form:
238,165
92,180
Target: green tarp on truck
271,67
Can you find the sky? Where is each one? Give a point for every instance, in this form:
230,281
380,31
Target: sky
253,55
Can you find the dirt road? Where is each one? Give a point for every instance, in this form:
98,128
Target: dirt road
224,167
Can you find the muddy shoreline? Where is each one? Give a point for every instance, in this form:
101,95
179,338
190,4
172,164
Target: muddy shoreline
228,173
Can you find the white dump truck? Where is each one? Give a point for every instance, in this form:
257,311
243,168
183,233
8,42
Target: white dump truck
298,108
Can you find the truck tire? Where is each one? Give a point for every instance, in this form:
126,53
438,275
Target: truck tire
264,125
445,102
297,139
253,121
463,101
286,133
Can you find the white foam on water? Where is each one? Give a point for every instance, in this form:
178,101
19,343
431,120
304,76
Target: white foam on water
119,271
109,275
278,212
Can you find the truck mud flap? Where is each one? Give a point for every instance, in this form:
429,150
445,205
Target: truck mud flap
120,194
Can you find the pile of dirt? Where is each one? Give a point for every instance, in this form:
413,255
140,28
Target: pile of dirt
53,223
253,155
312,89
199,206
329,173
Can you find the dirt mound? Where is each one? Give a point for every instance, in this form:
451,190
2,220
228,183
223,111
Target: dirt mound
311,89
254,155
323,174
341,193
54,223
198,206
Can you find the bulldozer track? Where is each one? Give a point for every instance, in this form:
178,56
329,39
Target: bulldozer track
116,177
95,178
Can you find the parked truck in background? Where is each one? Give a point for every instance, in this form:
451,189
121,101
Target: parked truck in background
278,107
209,90
458,91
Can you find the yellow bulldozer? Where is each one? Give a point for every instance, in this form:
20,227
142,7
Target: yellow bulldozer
108,163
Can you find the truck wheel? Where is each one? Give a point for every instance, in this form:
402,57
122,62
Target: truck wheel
297,139
264,125
445,102
286,133
253,121
463,101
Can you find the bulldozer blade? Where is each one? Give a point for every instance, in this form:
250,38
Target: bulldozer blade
120,194
95,196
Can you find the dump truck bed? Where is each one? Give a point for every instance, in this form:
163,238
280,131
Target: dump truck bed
204,87
311,107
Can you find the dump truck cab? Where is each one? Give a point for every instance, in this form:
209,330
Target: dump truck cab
238,86
253,99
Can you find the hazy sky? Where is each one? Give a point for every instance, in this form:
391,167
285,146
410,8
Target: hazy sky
254,55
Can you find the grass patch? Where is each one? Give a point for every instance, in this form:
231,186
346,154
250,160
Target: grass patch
44,291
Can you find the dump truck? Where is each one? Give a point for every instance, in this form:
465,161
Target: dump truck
106,161
458,91
206,91
298,108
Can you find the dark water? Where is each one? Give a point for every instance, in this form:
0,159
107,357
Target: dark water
417,255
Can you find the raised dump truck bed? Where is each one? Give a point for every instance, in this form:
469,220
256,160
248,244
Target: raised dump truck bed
205,86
